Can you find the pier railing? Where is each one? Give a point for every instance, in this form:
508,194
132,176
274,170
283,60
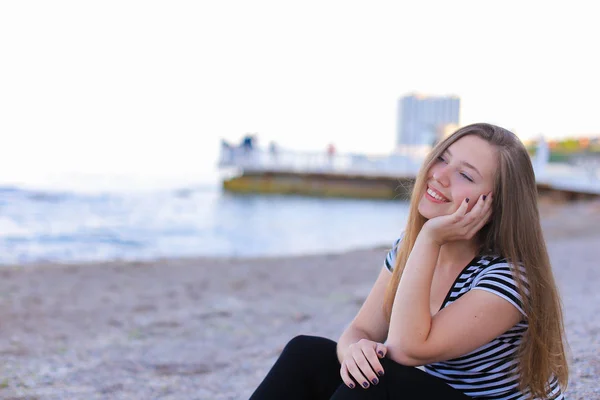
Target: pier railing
257,160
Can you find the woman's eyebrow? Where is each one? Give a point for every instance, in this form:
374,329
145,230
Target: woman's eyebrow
466,164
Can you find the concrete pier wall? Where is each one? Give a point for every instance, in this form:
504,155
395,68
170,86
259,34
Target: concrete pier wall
320,185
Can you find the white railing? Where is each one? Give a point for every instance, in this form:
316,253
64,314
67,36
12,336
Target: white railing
319,162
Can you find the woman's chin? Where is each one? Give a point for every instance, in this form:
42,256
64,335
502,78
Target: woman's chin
426,213
429,211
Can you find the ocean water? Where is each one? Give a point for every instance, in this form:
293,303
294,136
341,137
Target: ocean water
69,226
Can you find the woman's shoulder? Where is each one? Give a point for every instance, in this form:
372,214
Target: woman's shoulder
497,275
390,258
488,266
492,262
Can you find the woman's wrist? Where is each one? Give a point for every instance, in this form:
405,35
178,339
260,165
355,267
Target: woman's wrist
428,237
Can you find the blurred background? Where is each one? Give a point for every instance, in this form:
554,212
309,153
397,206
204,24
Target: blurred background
117,117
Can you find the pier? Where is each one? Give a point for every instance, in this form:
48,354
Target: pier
373,176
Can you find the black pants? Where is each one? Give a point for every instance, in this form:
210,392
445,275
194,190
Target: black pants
308,369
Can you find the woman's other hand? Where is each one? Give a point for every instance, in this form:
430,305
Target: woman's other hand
460,225
361,362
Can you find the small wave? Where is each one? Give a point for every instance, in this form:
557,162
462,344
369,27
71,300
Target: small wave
10,189
188,191
65,239
34,195
14,193
47,197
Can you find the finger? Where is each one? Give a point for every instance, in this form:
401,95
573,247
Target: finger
477,227
477,211
381,350
462,209
470,224
363,360
348,381
376,367
488,214
488,217
356,373
489,203
486,204
480,222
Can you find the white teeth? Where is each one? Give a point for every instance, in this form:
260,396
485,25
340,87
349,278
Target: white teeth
435,195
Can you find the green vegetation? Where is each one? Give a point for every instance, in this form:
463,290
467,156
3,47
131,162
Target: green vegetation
561,150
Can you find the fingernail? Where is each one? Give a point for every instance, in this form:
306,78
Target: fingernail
380,353
484,196
380,373
365,384
351,386
467,199
375,381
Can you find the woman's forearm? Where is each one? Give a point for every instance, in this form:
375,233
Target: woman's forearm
410,321
350,336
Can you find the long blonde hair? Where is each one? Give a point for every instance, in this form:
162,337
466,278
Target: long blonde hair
515,233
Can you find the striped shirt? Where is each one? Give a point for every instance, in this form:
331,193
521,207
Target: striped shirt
491,371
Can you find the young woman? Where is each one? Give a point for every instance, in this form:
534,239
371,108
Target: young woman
466,293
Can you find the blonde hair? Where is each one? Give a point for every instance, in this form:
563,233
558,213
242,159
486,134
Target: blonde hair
515,233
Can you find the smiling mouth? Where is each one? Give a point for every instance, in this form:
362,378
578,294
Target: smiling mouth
436,196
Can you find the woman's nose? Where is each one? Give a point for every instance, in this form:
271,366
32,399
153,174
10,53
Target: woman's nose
441,176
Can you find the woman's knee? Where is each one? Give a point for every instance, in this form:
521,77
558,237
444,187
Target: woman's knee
307,348
298,342
303,343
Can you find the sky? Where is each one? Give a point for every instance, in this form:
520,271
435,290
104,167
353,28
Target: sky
149,88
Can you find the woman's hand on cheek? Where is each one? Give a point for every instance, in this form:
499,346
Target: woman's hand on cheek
460,225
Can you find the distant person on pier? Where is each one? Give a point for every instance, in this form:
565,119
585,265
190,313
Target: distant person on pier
248,143
273,151
248,146
466,292
330,154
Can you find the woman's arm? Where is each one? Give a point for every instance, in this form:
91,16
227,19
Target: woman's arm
470,322
410,323
370,322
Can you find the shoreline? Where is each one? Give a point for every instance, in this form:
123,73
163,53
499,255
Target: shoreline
185,260
585,214
189,259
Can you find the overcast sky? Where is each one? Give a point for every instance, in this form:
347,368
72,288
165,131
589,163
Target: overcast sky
151,87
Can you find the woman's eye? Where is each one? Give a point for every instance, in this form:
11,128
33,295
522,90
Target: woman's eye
467,177
440,158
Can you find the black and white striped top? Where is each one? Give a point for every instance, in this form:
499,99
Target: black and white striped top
489,372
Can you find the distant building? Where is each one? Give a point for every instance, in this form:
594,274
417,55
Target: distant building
424,120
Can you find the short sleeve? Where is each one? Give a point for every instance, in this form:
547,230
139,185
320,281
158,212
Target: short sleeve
390,258
499,279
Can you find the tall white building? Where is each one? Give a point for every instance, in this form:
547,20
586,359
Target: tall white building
422,119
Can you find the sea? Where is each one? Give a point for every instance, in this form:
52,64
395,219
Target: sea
46,224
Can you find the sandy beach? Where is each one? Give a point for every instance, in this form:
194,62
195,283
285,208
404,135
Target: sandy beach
211,328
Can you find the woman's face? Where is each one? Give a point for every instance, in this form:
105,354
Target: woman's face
466,169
